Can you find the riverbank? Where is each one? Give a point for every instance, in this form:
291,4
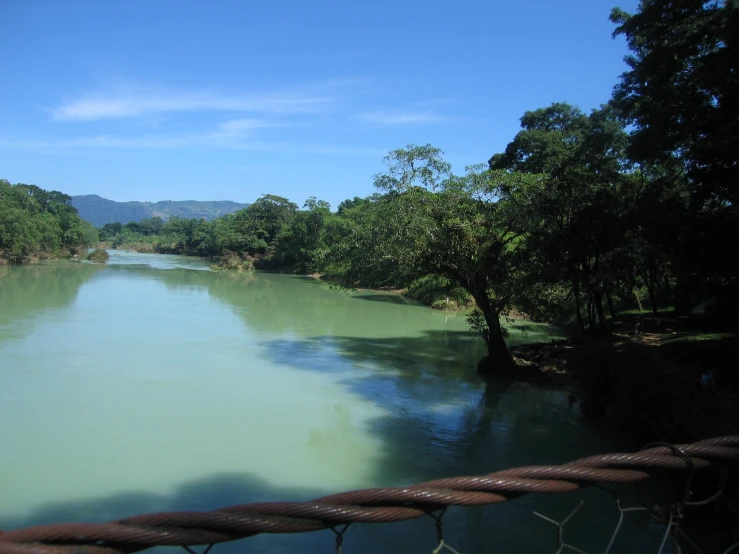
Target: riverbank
44,255
668,383
433,291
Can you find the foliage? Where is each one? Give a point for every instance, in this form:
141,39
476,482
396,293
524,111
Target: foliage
252,231
430,222
39,223
411,167
98,256
590,228
299,243
435,290
680,95
232,261
681,90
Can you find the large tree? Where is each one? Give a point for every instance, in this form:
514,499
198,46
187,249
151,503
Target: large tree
428,221
681,96
34,222
260,222
300,243
599,224
681,91
579,224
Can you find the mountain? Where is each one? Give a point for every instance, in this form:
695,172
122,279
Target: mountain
100,211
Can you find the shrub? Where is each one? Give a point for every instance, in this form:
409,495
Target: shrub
434,290
233,261
98,256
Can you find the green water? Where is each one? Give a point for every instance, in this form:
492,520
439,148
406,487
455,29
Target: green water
153,384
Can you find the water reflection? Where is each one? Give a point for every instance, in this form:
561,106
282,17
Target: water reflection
29,293
173,389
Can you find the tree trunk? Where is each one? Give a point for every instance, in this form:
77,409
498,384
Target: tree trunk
668,292
602,321
682,294
610,306
578,313
662,293
649,283
499,358
652,297
591,316
498,351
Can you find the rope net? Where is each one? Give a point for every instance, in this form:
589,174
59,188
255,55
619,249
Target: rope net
387,505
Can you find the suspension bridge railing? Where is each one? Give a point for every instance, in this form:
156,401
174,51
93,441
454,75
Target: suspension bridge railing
387,505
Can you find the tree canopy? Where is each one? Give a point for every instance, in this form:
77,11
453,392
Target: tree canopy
681,95
35,222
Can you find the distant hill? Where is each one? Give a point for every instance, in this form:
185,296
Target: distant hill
100,211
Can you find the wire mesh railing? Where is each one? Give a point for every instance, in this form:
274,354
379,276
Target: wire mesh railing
338,512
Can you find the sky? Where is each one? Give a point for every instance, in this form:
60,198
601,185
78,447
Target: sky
229,100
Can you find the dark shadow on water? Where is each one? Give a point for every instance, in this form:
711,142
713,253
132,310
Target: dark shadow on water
439,419
437,363
201,495
467,529
205,494
442,418
390,298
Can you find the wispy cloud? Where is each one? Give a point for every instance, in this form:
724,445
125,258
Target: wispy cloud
98,107
213,119
229,134
239,128
131,101
402,117
112,142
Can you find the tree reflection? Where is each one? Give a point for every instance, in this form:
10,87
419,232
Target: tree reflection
27,291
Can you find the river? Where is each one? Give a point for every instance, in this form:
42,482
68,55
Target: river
154,384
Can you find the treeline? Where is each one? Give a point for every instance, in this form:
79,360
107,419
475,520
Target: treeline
270,233
36,223
568,223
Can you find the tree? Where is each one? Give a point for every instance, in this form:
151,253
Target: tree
349,204
681,95
34,221
259,223
299,244
110,231
682,89
431,222
411,167
575,220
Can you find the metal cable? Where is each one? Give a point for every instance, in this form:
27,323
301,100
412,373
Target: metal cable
379,505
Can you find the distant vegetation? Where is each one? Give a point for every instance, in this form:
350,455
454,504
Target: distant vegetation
100,211
36,223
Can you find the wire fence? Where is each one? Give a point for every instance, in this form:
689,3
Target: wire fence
429,499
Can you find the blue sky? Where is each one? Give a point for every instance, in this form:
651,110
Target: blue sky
220,100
